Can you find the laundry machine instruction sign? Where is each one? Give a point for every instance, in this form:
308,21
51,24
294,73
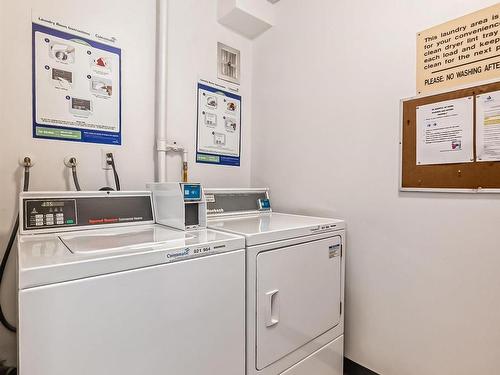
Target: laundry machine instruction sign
219,125
76,84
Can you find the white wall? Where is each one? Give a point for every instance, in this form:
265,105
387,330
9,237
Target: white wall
422,269
193,36
134,159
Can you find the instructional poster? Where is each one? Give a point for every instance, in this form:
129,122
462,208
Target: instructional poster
76,84
488,126
219,125
445,132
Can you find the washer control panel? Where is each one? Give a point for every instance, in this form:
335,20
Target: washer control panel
49,213
53,212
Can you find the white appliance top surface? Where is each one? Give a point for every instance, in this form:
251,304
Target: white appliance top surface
123,239
56,257
269,227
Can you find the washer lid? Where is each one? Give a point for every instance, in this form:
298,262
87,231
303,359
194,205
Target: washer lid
269,227
123,239
58,257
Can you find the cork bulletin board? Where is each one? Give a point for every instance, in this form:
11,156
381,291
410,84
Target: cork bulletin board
459,177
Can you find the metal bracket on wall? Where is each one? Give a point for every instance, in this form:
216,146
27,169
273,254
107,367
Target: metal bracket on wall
163,145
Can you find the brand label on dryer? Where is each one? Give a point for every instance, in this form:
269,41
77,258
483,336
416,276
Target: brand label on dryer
334,251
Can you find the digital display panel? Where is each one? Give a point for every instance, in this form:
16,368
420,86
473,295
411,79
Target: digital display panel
192,192
264,204
53,204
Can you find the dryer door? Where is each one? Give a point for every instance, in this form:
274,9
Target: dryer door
298,297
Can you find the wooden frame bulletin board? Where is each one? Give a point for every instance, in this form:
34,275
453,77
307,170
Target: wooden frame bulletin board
459,177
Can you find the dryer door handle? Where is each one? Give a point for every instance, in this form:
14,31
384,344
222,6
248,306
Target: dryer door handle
273,308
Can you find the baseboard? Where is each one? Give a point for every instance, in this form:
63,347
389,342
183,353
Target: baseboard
353,368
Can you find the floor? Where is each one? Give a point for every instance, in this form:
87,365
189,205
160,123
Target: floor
353,368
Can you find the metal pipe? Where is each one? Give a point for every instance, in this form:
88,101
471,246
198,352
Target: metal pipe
174,147
184,165
161,89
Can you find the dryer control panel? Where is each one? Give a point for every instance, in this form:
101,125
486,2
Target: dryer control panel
225,202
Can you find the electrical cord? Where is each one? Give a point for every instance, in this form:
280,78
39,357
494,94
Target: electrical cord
111,161
8,249
3,265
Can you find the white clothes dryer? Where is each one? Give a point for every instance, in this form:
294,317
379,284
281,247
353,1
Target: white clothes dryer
295,283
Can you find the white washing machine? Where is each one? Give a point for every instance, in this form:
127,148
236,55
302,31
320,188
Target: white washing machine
104,290
295,283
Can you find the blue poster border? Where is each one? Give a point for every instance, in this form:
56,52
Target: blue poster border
87,135
208,158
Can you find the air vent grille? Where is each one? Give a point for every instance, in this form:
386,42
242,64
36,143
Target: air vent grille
228,63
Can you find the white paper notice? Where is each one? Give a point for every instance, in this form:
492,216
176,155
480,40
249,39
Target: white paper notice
488,126
445,132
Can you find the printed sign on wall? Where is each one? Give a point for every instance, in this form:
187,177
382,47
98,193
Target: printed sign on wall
459,52
76,84
445,132
488,126
219,125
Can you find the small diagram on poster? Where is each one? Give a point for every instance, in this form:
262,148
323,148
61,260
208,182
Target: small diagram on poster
76,84
445,132
219,125
488,126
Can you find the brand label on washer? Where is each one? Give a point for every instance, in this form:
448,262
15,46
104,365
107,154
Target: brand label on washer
179,253
210,198
192,252
334,251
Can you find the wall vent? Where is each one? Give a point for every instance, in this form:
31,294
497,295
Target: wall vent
228,61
